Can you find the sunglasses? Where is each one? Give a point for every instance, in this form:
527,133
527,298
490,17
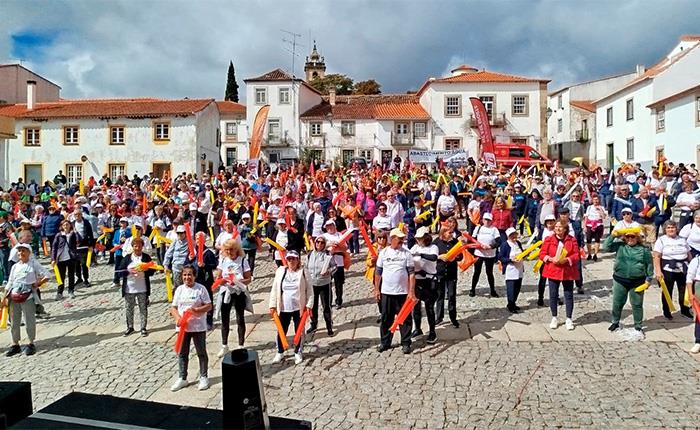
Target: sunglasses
321,241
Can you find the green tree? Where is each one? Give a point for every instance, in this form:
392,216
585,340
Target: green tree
231,84
369,86
343,85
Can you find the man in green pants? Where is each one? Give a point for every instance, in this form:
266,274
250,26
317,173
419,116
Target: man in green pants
633,268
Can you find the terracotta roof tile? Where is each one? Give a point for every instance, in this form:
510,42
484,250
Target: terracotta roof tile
487,76
586,105
275,75
136,108
227,106
381,106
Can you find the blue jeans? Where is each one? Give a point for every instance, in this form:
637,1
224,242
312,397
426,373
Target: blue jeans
568,297
513,290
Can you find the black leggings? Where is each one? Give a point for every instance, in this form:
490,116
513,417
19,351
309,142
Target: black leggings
338,281
67,271
427,293
671,278
489,272
324,293
286,318
250,253
237,302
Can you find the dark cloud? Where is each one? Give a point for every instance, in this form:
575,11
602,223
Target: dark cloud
182,48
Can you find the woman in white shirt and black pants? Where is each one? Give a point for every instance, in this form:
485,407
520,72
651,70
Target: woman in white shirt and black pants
490,239
512,268
671,254
425,255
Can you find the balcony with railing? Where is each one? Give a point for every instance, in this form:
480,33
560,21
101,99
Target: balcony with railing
276,142
497,120
582,135
402,139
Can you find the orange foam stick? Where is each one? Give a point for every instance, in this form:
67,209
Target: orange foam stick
301,327
45,246
283,257
365,237
403,314
280,331
219,282
145,203
190,242
455,251
184,321
696,307
200,247
472,241
345,236
467,261
235,233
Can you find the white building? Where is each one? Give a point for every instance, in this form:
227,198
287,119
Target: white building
234,133
373,127
111,136
626,128
571,117
515,105
287,97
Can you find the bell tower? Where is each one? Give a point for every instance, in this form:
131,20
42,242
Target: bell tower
315,66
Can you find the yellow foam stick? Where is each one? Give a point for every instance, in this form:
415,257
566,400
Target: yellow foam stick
308,241
651,211
161,195
100,237
686,297
428,203
89,257
133,230
153,233
432,227
528,250
274,244
211,234
642,288
520,221
536,267
261,225
164,240
56,272
82,187
256,208
423,215
400,226
405,184
535,254
563,255
667,295
169,285
4,314
211,196
527,228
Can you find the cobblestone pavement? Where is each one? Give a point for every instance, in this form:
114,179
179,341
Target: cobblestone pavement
498,370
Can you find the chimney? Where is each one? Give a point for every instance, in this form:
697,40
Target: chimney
31,94
331,96
640,69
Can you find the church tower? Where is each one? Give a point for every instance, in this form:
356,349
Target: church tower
315,66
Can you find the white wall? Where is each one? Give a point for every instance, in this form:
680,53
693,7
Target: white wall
207,138
681,137
241,140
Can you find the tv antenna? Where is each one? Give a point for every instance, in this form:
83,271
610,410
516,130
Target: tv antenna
294,44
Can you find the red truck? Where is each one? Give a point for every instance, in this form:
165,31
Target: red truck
507,154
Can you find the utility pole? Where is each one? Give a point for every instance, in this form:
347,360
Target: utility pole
293,43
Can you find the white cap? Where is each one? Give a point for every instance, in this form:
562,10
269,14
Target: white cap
181,229
160,225
245,215
397,233
123,219
292,254
422,232
281,221
488,216
550,217
510,231
99,205
193,206
330,221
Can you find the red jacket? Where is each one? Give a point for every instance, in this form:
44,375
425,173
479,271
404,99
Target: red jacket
502,218
564,272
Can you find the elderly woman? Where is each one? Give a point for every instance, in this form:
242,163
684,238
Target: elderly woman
633,267
425,257
593,220
136,285
490,239
337,250
64,254
691,234
25,277
290,295
446,278
671,255
321,266
560,268
235,271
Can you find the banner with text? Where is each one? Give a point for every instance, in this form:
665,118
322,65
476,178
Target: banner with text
484,127
447,156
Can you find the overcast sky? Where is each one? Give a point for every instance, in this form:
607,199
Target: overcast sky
177,49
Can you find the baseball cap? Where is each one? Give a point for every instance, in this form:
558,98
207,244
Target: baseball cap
180,229
422,232
626,210
193,206
397,233
126,220
245,215
281,221
550,218
292,254
488,216
510,231
330,221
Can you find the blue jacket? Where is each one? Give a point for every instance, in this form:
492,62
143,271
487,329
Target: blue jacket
51,225
618,205
117,239
638,206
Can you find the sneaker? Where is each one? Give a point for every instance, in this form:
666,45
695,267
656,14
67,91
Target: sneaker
298,358
416,333
472,293
455,324
330,332
71,295
406,349
278,358
311,330
30,349
382,348
554,323
668,316
115,285
511,309
589,258
59,296
580,290
614,326
178,385
517,308
595,257
560,301
128,331
223,351
432,338
569,324
14,350
494,293
439,322
686,313
203,383
144,332
695,349
87,284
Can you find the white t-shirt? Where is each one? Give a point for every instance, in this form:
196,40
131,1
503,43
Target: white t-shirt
693,270
421,264
395,264
685,201
135,281
514,269
290,291
446,204
282,239
674,248
332,239
381,222
185,298
595,213
237,267
486,236
317,227
691,234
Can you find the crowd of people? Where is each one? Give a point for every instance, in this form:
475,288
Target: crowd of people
418,225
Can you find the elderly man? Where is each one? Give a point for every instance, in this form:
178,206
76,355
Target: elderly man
641,208
394,210
86,240
394,282
177,254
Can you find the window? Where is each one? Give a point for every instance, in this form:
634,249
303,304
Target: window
347,155
534,155
231,130
630,149
231,156
315,128
560,125
519,140
347,128
453,105
284,96
74,173
451,144
490,105
161,131
419,129
402,128
260,96
520,103
274,130
116,170
32,136
630,109
609,117
70,135
661,119
560,102
116,135
366,154
274,157
516,152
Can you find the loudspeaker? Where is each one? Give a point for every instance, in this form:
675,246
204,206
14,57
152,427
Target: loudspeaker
243,396
15,402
